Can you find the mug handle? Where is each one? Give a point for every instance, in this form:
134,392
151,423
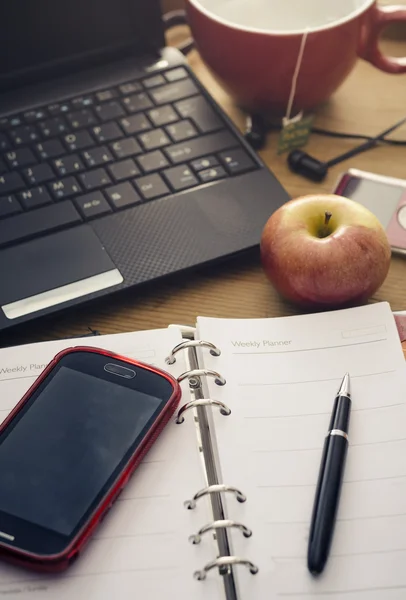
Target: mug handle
381,17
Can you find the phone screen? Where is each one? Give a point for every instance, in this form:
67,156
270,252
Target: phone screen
67,445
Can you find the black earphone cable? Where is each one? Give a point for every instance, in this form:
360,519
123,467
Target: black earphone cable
338,134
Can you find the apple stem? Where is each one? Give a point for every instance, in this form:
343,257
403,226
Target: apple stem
324,232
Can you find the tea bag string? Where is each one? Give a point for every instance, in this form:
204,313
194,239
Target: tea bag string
295,77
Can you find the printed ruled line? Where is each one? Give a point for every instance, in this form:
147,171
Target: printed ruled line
347,554
312,349
261,451
253,384
322,413
20,377
341,592
67,575
340,520
346,481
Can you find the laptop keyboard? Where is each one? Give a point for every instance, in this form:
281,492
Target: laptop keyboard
98,153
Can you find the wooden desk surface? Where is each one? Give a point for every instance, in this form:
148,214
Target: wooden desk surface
368,102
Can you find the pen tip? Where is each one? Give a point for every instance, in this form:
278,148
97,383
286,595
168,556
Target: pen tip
345,389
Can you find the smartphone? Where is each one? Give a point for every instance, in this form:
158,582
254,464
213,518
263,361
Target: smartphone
70,446
384,196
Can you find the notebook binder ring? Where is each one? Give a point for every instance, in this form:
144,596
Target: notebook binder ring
214,489
219,379
221,524
225,561
214,351
224,410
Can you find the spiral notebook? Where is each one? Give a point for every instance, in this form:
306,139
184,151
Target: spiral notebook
220,508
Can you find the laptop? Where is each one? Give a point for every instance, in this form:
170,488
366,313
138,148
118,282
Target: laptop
117,168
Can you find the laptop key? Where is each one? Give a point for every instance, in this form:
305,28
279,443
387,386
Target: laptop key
130,88
123,195
4,143
8,122
4,123
163,115
174,91
92,205
32,116
154,81
176,74
81,118
82,102
204,163
180,177
201,113
49,149
137,102
78,141
125,169
9,206
19,158
97,156
126,147
53,127
107,132
212,174
154,139
37,222
95,179
109,111
182,130
135,124
151,186
208,144
10,182
34,198
106,95
68,165
26,134
38,174
58,109
152,161
64,188
3,167
236,161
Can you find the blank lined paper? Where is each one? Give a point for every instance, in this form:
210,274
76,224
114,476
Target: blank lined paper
282,377
141,550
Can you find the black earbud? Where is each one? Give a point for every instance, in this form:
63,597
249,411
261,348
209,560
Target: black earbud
302,163
255,131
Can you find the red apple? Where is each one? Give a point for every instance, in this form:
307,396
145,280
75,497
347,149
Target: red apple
325,251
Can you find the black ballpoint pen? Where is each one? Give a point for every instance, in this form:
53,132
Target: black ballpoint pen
330,479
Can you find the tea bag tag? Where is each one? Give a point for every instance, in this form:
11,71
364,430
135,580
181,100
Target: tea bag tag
296,130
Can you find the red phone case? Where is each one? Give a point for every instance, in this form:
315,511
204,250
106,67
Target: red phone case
59,562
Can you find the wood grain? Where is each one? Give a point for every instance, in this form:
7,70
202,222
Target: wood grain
368,102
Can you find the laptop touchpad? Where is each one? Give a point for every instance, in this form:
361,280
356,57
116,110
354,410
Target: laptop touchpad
52,270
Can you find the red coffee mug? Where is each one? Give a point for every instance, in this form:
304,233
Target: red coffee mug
253,46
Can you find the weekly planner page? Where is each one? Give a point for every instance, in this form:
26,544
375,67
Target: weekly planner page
282,377
141,550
